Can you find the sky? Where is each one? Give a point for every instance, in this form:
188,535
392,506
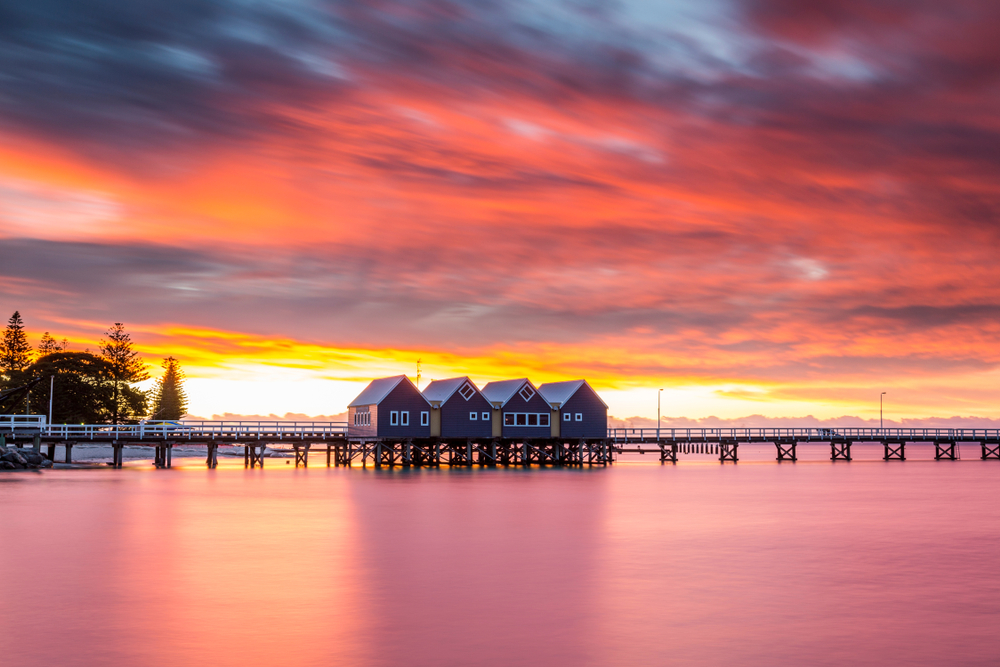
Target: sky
767,208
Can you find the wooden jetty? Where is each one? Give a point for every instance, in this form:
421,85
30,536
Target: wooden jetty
302,438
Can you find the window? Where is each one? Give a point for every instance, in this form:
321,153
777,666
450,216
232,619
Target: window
579,416
567,417
425,418
526,392
472,416
394,418
467,391
486,416
524,418
404,418
368,419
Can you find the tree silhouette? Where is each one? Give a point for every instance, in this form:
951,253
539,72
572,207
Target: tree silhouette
126,369
169,398
15,352
50,345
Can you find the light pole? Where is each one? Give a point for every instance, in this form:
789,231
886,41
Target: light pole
658,394
880,424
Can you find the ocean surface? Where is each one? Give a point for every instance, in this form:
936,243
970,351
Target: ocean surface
757,563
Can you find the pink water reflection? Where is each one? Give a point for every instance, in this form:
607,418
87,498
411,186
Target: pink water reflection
757,564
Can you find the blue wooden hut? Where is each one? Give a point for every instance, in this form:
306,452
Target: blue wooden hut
519,411
458,409
390,407
579,411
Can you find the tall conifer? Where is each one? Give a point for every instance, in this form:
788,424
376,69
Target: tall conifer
50,345
15,351
169,398
126,369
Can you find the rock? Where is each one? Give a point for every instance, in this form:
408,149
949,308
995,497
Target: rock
45,464
7,455
33,458
6,465
14,457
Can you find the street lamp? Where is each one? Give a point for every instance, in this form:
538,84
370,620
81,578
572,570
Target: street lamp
658,394
880,423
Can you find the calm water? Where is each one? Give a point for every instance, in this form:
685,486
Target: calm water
866,563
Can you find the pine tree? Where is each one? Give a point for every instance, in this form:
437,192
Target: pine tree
169,398
50,345
126,369
15,351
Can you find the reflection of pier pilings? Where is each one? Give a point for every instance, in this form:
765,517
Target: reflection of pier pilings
467,452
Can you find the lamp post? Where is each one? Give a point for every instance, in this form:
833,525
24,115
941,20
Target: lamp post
880,423
659,393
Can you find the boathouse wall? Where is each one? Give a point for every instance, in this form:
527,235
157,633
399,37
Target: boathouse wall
584,415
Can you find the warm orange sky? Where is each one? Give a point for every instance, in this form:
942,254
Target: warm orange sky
761,208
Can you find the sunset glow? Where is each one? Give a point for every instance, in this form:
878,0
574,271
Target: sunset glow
761,207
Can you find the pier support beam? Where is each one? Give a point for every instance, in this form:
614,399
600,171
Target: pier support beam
212,459
840,451
69,451
302,454
786,451
727,451
668,452
945,450
253,458
50,453
117,456
894,451
991,450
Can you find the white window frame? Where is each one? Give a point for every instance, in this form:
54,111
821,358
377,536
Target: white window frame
394,418
472,391
539,416
425,418
567,417
579,416
404,417
526,388
473,416
486,416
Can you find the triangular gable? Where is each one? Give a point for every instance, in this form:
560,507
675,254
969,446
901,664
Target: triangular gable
504,390
439,391
377,390
561,392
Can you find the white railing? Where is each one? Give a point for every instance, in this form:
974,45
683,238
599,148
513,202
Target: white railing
801,434
15,423
200,430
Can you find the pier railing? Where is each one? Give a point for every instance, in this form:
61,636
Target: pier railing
626,435
199,430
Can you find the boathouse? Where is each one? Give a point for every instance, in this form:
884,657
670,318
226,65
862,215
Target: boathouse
458,409
519,411
577,410
389,407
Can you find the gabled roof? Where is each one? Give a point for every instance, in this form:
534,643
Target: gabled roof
560,392
502,390
439,391
379,389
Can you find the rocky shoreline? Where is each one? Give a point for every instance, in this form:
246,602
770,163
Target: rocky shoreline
12,458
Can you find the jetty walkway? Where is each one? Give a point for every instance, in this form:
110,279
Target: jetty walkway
332,438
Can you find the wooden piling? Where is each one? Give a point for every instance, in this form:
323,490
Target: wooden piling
894,452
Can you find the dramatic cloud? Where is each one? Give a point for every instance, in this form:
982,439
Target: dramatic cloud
785,202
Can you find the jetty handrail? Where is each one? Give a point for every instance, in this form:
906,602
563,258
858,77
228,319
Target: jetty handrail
200,429
15,423
820,434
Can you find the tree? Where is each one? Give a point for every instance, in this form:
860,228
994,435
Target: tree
50,345
15,352
84,388
169,397
126,369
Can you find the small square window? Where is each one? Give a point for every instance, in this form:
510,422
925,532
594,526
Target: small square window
579,416
532,420
486,416
404,418
526,392
508,419
425,418
394,418
543,419
522,419
467,391
473,416
567,417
